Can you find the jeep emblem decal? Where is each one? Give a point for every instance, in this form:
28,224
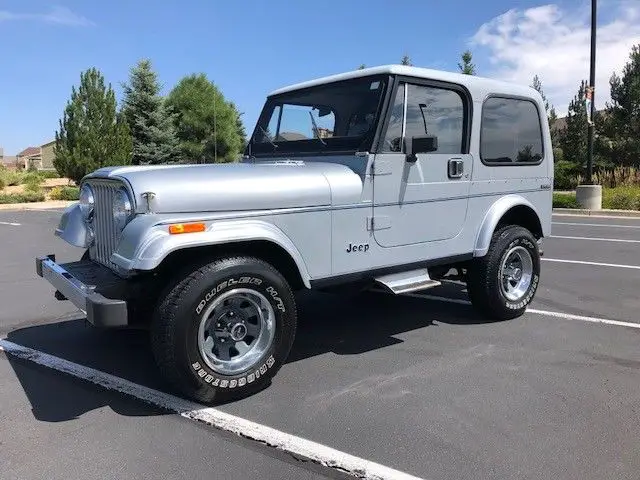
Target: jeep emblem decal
358,247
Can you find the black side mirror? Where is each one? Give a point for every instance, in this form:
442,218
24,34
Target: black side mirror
420,144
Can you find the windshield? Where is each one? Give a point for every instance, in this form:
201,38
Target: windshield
336,117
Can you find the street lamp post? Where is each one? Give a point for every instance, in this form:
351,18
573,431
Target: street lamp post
588,195
592,85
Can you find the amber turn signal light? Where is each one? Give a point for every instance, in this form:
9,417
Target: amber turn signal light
177,228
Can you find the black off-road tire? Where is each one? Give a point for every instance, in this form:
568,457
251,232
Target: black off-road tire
483,276
174,329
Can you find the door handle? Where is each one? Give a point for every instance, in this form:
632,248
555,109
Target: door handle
455,168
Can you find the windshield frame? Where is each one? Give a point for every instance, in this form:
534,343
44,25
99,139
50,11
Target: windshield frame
314,146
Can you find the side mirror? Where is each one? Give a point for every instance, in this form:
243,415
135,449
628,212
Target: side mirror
420,144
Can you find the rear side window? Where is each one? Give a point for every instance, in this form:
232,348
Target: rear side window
510,132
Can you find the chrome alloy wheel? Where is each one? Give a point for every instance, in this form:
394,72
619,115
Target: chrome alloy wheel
236,330
516,273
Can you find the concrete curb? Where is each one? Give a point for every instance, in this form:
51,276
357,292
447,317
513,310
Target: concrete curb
597,213
36,205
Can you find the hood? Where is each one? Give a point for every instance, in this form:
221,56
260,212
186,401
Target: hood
238,186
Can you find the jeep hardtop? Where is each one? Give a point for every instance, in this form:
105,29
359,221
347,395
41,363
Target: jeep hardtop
389,177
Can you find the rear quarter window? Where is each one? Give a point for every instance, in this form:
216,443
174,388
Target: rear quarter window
510,132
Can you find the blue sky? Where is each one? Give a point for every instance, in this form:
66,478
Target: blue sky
249,48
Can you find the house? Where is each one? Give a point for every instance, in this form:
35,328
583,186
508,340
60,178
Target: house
29,158
40,158
8,161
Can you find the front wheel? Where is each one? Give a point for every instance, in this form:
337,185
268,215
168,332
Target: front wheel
503,283
225,330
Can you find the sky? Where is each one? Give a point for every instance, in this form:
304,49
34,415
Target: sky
249,48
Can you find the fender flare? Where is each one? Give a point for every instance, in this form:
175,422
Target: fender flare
493,217
157,243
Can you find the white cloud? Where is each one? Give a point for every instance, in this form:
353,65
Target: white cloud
555,44
57,15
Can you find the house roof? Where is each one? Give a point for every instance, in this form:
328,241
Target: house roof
417,72
8,159
29,152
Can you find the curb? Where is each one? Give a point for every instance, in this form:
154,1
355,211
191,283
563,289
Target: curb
36,205
581,212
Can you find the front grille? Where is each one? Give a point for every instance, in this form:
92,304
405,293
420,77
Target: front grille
105,231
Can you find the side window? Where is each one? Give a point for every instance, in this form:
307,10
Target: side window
438,112
393,137
510,132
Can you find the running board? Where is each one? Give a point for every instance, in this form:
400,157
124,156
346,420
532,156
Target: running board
405,282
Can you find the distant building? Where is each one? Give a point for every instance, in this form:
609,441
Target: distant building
39,158
8,161
325,132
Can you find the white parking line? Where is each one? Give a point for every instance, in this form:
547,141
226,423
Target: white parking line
10,223
595,264
565,316
599,239
296,446
596,225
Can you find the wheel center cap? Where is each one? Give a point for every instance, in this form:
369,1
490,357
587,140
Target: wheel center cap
238,332
517,274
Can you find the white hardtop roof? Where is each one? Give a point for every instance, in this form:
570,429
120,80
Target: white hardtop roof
470,81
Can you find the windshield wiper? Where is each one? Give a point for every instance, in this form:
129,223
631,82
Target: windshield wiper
316,130
266,135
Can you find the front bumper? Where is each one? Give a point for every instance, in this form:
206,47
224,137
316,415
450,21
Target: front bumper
77,282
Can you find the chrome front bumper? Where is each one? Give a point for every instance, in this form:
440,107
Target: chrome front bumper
100,311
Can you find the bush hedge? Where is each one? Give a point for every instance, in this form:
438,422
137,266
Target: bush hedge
65,193
619,198
26,197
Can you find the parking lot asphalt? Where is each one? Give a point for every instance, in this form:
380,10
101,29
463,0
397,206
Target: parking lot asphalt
419,385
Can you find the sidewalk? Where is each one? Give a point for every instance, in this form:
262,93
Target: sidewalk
53,204
597,213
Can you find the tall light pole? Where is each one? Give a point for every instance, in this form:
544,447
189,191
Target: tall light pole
592,85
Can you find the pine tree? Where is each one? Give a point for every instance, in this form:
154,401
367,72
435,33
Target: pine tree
549,109
406,61
92,134
151,126
466,66
362,66
206,124
622,124
573,138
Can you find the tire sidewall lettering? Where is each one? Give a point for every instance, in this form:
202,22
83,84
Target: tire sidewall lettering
200,369
523,302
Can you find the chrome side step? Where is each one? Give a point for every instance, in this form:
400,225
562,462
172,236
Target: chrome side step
405,282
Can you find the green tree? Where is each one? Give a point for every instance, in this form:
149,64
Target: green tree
151,126
362,66
206,123
406,61
621,128
573,138
467,67
550,109
92,134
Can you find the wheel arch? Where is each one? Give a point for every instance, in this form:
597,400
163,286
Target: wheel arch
159,251
509,210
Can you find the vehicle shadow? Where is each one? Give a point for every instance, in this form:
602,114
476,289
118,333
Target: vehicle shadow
341,324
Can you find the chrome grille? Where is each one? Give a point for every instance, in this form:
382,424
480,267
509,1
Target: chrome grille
105,231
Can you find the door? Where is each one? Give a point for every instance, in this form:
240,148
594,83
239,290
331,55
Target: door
423,198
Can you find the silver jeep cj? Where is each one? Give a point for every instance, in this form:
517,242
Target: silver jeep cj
391,176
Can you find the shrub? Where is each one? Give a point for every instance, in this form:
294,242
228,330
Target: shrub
3,183
48,174
565,200
25,197
565,176
621,198
13,178
65,193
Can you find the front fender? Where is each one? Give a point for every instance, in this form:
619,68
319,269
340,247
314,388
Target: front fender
73,229
144,246
493,216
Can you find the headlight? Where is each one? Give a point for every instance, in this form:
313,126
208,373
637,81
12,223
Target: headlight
87,201
121,208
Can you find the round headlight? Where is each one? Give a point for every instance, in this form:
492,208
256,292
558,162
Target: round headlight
121,208
86,201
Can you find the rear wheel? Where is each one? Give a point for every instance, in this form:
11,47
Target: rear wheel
224,330
503,283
